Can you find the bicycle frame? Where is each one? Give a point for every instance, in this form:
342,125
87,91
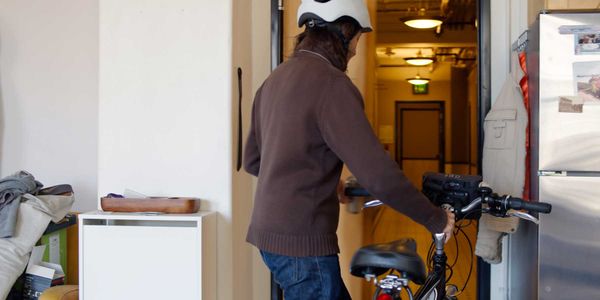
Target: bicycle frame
436,280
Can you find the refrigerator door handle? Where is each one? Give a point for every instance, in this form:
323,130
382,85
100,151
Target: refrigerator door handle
552,173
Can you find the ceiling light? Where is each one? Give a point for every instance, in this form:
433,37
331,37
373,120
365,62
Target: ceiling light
418,80
421,21
419,60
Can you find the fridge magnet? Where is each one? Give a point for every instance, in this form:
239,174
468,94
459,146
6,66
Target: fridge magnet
570,104
574,29
587,43
587,81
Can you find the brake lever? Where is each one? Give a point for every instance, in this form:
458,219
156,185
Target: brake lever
472,205
522,215
372,203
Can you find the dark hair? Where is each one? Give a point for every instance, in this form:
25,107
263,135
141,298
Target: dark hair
330,41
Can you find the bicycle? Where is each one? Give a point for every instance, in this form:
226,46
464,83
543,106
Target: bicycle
468,199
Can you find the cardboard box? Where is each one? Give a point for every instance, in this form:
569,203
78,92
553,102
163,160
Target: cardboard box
572,4
40,275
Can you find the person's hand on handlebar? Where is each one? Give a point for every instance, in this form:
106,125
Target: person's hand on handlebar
449,226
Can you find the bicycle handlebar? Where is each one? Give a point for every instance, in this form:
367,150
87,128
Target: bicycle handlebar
520,204
496,205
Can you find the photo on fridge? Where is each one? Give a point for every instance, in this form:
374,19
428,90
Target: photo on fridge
587,43
587,81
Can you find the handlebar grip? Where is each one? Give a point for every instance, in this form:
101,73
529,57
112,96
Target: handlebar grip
356,192
541,207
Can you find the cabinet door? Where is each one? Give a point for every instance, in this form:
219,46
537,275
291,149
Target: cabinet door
141,262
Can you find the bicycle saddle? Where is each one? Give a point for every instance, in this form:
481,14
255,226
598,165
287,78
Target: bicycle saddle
400,255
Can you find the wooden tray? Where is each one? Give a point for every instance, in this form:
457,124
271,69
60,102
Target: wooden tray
174,205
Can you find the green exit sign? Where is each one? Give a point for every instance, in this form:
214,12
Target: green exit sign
420,88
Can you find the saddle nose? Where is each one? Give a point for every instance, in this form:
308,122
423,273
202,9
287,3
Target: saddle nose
400,255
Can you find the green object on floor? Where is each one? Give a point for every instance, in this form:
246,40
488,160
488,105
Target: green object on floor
55,239
56,248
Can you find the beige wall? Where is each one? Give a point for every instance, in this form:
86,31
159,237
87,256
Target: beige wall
474,111
261,68
535,6
290,27
242,48
572,4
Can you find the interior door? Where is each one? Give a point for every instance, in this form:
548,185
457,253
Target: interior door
419,138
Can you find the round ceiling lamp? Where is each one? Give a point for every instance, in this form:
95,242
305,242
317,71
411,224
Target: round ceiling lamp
421,21
419,60
417,80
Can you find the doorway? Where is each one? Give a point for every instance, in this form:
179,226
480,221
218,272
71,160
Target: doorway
458,145
435,73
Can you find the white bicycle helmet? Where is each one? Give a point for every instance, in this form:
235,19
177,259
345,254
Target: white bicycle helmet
331,10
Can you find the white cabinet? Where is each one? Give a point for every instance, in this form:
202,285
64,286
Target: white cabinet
141,256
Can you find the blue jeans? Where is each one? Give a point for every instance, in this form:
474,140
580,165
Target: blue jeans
311,277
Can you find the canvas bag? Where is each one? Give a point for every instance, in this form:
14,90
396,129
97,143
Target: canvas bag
503,164
35,213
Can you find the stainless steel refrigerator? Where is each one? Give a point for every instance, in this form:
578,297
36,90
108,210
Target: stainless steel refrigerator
564,81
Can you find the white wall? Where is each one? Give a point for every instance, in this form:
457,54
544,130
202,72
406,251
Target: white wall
508,21
165,107
509,18
165,98
49,93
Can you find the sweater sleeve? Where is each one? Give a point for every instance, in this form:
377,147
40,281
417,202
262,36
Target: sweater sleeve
347,132
251,151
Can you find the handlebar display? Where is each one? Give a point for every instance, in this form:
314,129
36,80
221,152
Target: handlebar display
457,191
463,191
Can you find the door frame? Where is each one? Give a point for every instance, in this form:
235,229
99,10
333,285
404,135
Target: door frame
398,127
484,101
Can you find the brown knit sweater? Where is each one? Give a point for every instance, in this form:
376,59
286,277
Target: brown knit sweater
307,119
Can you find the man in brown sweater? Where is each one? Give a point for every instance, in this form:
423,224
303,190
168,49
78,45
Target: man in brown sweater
307,120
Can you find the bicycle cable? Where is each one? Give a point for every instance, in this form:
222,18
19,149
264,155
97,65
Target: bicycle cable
455,235
471,264
459,229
